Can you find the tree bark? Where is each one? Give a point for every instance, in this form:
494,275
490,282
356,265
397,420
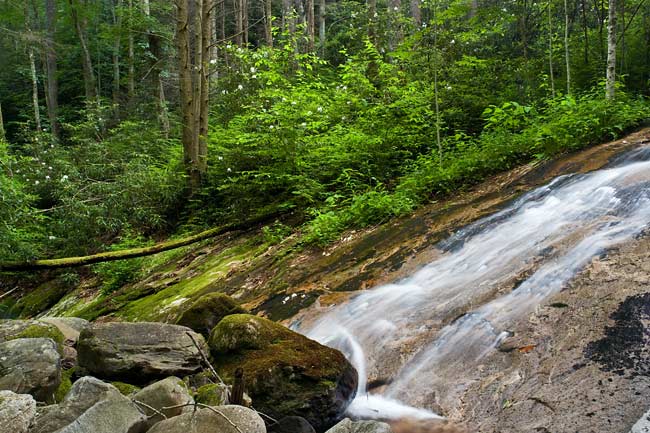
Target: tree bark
322,9
117,22
204,70
131,55
3,135
239,22
611,51
416,13
550,50
80,26
310,30
52,82
268,23
372,21
566,48
37,110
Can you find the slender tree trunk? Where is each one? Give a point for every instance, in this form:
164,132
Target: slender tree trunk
79,24
117,21
131,55
473,8
395,32
601,25
206,33
322,9
311,26
37,110
3,135
268,23
244,12
52,82
239,22
550,50
435,79
155,49
146,8
416,13
566,48
585,31
611,51
372,21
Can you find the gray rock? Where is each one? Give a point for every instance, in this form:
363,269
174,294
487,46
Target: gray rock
213,394
292,424
91,406
30,366
138,352
349,426
13,329
70,327
207,421
17,411
642,425
165,393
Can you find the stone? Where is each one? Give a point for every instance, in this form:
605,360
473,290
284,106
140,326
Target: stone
349,426
207,311
213,394
91,406
164,393
292,424
30,366
13,329
642,425
138,353
205,420
17,411
285,373
70,327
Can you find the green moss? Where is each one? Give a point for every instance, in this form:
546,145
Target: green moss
212,395
240,332
207,311
40,299
65,386
42,330
125,388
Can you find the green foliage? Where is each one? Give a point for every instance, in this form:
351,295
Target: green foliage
120,272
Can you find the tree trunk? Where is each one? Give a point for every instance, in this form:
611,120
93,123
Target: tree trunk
131,59
52,82
611,51
585,31
155,49
37,110
268,23
566,48
239,22
79,24
3,135
550,50
309,18
372,21
322,9
204,70
117,22
416,13
394,28
244,19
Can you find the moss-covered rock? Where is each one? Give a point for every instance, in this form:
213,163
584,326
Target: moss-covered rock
65,385
214,394
41,298
13,329
207,311
126,389
285,373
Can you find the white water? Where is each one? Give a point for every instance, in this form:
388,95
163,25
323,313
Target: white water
549,234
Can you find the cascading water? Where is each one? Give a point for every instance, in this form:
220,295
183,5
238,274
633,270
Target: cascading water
428,331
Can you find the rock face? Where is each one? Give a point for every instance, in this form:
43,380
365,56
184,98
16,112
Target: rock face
30,366
17,411
285,373
165,393
208,421
91,406
138,352
70,327
12,329
207,311
349,426
213,394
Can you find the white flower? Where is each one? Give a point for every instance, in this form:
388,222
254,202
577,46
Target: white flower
395,8
240,87
213,61
349,102
51,237
42,163
36,182
284,99
47,177
49,168
52,146
448,87
343,117
309,113
253,70
453,41
344,87
319,109
220,158
64,178
228,169
271,127
228,46
254,76
303,124
224,92
293,102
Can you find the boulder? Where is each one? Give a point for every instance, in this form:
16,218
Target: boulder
207,311
292,424
165,393
91,406
138,352
17,411
30,366
13,329
219,419
70,327
213,394
349,426
285,373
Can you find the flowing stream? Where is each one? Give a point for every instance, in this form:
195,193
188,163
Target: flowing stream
428,332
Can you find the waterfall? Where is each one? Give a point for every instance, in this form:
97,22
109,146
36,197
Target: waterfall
430,330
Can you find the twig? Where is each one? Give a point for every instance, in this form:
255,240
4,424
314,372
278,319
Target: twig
137,402
9,292
218,412
207,362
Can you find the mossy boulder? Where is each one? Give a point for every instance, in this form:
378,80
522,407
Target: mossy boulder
286,373
213,394
13,329
126,389
207,311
